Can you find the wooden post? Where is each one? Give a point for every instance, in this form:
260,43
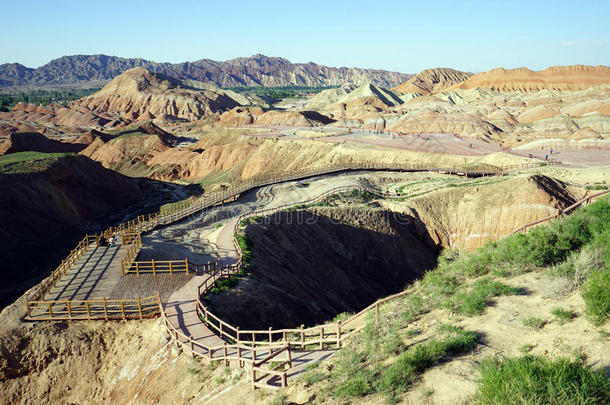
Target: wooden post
27,303
140,307
69,309
105,309
270,334
377,310
186,263
321,337
237,334
289,356
225,352
123,309
50,310
192,346
339,334
302,337
153,267
88,310
170,268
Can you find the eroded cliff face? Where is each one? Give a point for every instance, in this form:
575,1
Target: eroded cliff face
309,266
467,217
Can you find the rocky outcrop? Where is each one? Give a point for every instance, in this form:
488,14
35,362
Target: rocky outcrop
432,81
139,94
258,70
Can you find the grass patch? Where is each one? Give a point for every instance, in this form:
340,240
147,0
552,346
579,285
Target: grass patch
526,348
29,162
357,378
474,299
245,245
596,293
280,399
534,322
224,284
537,380
563,315
219,225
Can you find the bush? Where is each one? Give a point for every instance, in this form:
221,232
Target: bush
536,380
596,293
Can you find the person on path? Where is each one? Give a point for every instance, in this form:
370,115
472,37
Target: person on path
111,241
546,157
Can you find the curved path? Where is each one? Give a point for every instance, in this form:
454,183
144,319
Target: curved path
180,308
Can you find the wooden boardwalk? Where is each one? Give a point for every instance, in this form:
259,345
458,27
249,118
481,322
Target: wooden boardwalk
97,276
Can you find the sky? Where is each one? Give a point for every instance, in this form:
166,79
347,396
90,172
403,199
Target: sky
405,36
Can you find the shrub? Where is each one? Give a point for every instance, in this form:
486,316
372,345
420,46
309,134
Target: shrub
596,293
536,380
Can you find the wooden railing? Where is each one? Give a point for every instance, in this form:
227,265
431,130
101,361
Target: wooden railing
107,309
565,211
237,353
47,284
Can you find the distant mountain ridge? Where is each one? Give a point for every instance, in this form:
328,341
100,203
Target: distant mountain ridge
258,70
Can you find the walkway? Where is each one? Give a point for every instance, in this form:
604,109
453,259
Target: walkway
96,275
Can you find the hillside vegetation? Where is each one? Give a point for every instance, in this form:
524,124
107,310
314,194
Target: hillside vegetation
390,355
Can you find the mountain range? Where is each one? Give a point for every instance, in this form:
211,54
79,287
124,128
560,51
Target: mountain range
90,71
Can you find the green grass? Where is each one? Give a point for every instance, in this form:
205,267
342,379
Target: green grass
224,284
357,378
596,293
526,348
537,380
246,249
280,399
475,298
28,162
563,315
534,322
597,187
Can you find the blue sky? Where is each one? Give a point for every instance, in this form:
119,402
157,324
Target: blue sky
404,36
